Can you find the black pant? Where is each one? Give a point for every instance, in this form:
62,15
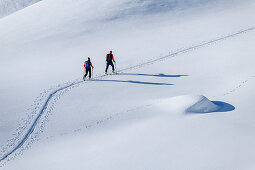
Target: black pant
88,70
107,65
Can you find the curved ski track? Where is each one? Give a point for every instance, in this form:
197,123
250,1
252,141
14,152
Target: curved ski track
173,54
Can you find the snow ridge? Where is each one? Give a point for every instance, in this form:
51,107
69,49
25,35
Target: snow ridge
78,82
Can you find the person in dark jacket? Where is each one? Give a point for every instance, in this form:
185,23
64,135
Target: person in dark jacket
88,65
109,62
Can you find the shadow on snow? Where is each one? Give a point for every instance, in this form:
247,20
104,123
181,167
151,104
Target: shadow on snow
151,75
135,82
223,107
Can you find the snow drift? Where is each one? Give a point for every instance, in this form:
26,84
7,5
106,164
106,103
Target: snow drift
202,105
190,104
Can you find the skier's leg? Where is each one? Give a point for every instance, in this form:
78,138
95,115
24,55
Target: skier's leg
89,72
85,74
107,65
112,66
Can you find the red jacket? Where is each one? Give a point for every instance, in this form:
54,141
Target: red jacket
112,57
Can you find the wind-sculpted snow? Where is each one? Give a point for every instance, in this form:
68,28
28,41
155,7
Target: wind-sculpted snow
189,104
193,104
202,105
31,128
128,7
146,7
8,7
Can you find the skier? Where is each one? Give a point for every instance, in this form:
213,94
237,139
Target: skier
109,61
88,65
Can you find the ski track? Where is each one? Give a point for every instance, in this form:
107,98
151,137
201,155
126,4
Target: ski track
49,104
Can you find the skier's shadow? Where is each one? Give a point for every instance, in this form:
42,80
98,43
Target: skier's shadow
151,75
135,82
142,82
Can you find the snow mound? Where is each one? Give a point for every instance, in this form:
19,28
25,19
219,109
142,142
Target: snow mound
189,104
202,105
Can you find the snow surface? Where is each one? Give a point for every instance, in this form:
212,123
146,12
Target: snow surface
8,7
189,104
182,98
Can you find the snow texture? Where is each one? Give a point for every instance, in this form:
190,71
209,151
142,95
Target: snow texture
8,7
146,116
189,104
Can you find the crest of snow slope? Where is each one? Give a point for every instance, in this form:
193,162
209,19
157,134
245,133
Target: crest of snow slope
189,103
8,7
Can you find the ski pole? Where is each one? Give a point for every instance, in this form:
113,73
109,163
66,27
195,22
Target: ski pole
84,73
92,72
115,67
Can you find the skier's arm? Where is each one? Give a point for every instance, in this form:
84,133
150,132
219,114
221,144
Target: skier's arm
113,59
91,65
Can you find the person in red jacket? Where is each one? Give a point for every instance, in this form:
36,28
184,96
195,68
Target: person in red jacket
88,65
109,61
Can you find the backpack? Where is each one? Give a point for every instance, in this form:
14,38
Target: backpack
109,57
87,64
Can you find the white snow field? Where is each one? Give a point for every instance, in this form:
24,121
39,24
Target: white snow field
183,96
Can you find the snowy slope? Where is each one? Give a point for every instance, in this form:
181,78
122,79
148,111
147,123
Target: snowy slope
131,120
8,7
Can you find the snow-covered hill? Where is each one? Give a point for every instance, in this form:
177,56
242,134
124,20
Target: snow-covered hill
8,7
182,98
